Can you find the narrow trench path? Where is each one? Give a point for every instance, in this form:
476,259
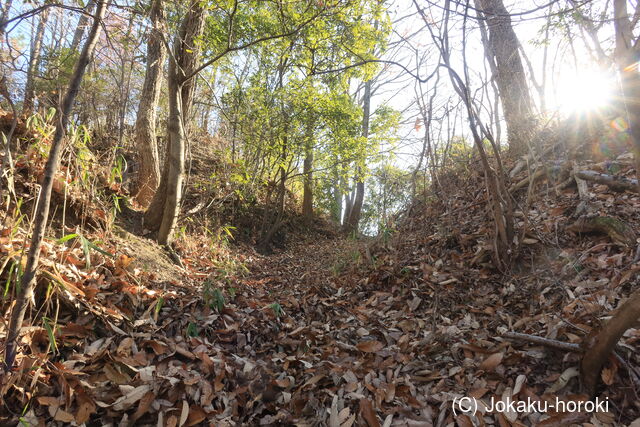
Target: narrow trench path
346,338
339,336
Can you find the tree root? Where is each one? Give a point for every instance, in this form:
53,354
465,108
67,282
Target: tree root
597,346
616,229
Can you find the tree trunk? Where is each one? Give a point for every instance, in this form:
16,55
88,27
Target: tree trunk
307,198
4,16
626,58
124,84
351,225
348,204
34,64
163,211
509,75
145,128
175,158
41,215
336,212
83,23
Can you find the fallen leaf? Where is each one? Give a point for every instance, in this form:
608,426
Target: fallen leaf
48,401
185,413
126,401
463,421
144,405
370,346
562,381
196,416
64,416
491,362
368,413
565,419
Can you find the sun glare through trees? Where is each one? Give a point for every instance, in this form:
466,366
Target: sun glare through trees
331,213
584,91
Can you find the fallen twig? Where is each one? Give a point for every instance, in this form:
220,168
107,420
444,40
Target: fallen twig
547,342
617,183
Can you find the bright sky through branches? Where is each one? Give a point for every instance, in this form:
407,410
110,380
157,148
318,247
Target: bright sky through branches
583,91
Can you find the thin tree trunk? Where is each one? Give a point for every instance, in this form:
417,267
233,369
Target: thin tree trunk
145,128
83,23
510,76
124,84
175,156
27,281
163,211
336,212
34,64
351,225
348,204
4,17
626,54
307,197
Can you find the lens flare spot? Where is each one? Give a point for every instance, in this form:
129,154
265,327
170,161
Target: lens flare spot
586,91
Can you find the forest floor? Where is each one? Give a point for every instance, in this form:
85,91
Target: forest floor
330,331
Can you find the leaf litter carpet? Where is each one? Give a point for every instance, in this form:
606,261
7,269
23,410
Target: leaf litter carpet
329,332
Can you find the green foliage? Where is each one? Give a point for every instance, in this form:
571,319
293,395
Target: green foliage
277,309
120,164
158,307
388,190
192,330
281,111
212,296
46,322
86,245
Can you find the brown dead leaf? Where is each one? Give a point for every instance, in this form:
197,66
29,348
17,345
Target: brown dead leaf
196,416
48,401
63,416
126,401
84,412
491,362
565,419
478,393
370,346
313,380
283,383
368,413
143,406
463,421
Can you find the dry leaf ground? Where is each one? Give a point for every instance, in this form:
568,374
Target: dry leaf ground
330,331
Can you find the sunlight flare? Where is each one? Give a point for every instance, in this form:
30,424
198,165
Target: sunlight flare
586,91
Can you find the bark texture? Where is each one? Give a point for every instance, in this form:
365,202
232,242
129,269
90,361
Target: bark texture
626,54
506,64
598,347
307,197
4,16
351,224
163,211
34,64
83,23
145,128
41,215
